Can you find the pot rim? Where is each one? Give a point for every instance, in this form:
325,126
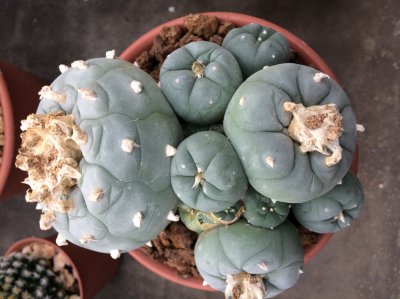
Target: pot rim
305,52
8,124
17,246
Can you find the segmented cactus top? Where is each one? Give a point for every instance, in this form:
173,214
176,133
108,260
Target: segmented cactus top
256,47
294,131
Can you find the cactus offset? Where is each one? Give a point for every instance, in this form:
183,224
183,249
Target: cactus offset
256,47
333,211
206,173
198,80
263,211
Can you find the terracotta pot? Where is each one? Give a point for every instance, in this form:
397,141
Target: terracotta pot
305,54
91,269
18,98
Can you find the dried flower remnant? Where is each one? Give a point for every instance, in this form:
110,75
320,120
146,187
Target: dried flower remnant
244,286
317,128
50,153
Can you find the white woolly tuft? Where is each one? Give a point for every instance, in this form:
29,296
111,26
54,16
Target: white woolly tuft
79,64
319,76
170,150
115,253
110,54
360,128
136,86
172,217
61,240
87,94
137,219
263,266
270,161
63,68
127,145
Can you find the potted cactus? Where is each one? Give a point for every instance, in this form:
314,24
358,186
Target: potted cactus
15,104
107,167
322,72
38,268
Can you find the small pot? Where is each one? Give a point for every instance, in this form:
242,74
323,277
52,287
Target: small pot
305,54
92,270
18,98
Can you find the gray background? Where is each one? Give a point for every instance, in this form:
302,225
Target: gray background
360,40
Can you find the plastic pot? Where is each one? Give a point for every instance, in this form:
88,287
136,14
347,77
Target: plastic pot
92,270
305,54
18,98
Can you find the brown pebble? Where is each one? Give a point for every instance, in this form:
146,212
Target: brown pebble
224,27
170,35
216,39
188,38
201,25
146,61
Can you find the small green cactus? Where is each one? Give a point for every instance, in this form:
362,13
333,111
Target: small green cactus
98,156
263,262
206,173
198,80
334,210
256,47
263,211
25,277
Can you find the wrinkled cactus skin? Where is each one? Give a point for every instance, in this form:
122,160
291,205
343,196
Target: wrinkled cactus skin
320,215
209,155
130,182
262,211
256,47
200,100
256,124
228,250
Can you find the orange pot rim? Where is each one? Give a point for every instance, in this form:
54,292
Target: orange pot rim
9,138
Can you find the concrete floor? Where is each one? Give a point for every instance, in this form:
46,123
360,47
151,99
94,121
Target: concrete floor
360,40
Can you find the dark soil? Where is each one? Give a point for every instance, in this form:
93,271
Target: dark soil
174,247
307,237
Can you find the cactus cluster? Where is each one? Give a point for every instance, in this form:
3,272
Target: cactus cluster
294,133
25,275
108,168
